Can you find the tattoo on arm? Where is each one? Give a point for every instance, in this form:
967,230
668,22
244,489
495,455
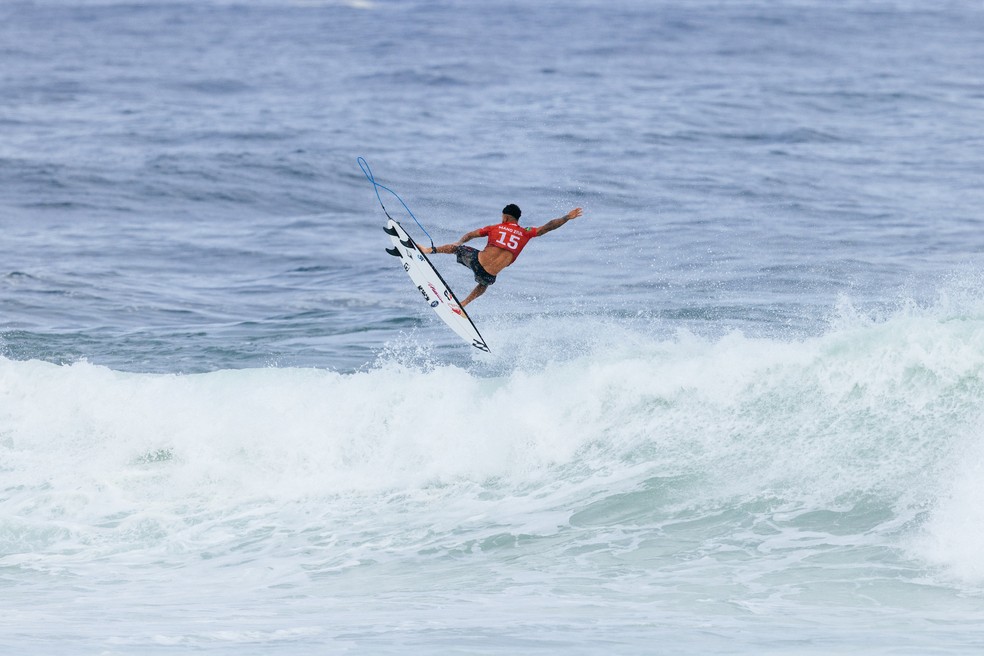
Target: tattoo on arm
552,225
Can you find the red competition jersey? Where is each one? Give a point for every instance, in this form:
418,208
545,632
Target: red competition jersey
511,237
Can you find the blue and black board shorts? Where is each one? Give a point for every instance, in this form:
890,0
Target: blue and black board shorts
469,257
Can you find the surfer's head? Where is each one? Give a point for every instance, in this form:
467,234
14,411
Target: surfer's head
512,210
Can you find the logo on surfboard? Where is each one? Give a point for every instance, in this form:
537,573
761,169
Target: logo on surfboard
432,287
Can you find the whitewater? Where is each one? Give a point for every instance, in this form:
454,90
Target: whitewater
734,408
642,491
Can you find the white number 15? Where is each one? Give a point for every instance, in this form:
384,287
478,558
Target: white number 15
513,240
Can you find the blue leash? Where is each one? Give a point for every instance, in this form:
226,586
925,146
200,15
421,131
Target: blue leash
364,165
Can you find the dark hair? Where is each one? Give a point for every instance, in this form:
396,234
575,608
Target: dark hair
512,210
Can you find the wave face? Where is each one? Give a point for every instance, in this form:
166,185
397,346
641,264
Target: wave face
707,425
681,477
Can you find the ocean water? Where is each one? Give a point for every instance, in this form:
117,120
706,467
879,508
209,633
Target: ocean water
736,408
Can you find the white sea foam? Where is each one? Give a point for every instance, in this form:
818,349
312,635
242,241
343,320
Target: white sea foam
868,409
693,459
954,534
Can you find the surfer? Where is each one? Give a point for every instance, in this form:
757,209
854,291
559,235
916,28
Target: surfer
505,242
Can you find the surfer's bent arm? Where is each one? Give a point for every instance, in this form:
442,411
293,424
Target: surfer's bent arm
556,223
474,234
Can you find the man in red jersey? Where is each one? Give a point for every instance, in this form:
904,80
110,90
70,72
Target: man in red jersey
505,241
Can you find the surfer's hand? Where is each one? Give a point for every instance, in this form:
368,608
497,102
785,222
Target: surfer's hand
573,214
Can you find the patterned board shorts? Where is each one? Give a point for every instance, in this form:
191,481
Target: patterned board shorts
469,257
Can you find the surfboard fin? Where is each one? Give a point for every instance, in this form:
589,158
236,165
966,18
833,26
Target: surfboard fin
407,243
394,251
390,231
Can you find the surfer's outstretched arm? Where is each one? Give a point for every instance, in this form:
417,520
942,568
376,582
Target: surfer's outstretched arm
449,249
556,223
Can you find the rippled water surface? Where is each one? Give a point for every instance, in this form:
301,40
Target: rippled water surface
735,408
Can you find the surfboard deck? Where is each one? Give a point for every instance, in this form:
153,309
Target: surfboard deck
434,291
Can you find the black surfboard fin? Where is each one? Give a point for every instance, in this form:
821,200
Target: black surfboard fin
390,231
394,251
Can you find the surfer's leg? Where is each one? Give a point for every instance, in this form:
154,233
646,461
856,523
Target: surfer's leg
478,291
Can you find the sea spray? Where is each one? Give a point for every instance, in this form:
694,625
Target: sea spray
869,409
758,473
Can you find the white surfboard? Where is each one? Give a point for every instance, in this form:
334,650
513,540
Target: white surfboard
431,285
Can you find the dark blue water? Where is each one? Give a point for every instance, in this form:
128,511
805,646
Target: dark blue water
739,397
179,189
